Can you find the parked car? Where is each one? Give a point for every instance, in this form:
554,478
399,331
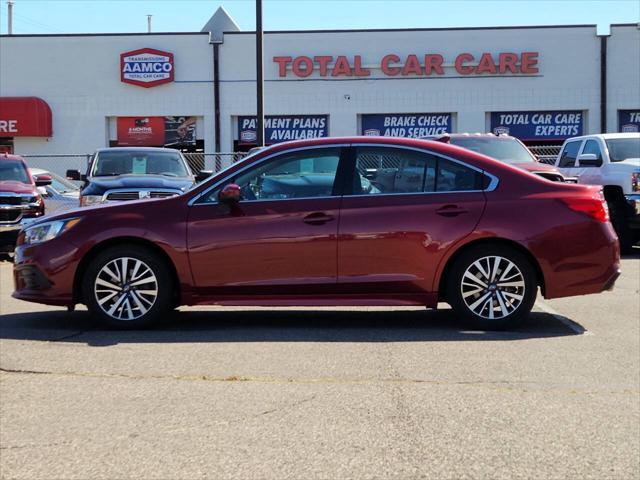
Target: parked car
60,194
20,201
304,223
132,173
506,149
611,160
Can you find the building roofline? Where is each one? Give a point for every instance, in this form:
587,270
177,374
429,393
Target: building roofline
136,34
365,30
634,25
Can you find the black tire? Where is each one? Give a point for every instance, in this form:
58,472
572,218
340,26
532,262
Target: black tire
617,214
163,284
495,300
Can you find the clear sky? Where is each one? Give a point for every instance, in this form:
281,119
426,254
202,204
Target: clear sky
96,16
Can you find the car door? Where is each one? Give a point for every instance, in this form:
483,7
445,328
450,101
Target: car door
281,238
405,209
590,174
568,156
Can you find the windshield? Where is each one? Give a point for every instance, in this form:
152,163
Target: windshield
13,170
111,163
622,148
62,185
508,150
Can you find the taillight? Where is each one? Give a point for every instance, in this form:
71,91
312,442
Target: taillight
594,207
635,182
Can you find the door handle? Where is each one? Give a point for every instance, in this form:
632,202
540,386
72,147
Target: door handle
451,211
317,218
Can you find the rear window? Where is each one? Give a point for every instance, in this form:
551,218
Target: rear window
507,150
13,170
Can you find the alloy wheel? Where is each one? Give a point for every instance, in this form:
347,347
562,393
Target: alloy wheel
126,288
492,287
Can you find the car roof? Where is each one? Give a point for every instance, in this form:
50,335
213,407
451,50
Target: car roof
9,156
605,136
137,149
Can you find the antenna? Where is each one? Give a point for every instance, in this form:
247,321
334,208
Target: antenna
149,23
10,17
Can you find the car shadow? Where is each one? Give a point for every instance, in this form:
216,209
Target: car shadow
266,325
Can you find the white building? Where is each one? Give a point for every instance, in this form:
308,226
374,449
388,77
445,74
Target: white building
542,84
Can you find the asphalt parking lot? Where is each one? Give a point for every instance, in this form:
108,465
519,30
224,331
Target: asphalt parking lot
324,393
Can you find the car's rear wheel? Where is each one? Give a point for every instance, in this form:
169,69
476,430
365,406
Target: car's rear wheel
492,287
128,287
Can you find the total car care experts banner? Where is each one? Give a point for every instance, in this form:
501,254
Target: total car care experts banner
283,128
545,125
156,131
629,121
412,125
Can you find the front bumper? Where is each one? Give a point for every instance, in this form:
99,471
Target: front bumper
45,273
9,232
633,200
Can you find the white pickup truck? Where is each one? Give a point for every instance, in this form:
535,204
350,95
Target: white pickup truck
613,161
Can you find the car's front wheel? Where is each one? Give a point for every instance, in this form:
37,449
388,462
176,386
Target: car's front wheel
492,287
128,287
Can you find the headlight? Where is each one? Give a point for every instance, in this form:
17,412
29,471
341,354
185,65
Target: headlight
86,200
46,231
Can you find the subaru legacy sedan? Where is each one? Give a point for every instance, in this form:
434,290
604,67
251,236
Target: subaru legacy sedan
332,221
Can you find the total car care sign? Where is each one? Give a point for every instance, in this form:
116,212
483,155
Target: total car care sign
146,67
538,125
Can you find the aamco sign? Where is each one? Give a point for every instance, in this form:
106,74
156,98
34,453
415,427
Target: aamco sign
146,67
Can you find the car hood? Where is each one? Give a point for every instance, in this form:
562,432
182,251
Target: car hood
632,162
11,186
101,184
536,167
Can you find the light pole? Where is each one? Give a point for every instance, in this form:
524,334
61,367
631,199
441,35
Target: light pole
149,23
259,77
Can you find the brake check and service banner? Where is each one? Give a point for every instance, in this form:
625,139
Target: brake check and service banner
169,131
547,125
411,125
629,121
283,128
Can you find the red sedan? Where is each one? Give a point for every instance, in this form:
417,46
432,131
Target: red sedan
334,221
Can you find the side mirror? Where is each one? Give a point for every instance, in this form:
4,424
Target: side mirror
589,160
230,194
42,180
73,175
203,175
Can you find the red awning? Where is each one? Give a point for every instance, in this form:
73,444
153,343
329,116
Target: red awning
24,117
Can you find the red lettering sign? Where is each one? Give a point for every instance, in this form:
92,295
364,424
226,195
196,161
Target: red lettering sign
391,65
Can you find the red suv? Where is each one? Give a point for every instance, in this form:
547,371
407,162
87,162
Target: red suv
20,201
334,221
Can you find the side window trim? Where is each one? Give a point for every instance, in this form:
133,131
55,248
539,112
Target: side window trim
338,185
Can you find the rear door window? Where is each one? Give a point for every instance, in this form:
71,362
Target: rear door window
389,170
569,154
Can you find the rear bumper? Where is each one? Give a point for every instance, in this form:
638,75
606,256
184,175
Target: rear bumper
588,263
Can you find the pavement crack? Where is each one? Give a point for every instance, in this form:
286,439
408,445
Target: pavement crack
67,337
505,385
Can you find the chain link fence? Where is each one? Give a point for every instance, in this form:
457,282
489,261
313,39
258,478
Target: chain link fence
546,153
59,164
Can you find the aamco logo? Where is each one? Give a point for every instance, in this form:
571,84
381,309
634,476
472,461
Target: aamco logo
630,128
371,132
146,67
501,131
